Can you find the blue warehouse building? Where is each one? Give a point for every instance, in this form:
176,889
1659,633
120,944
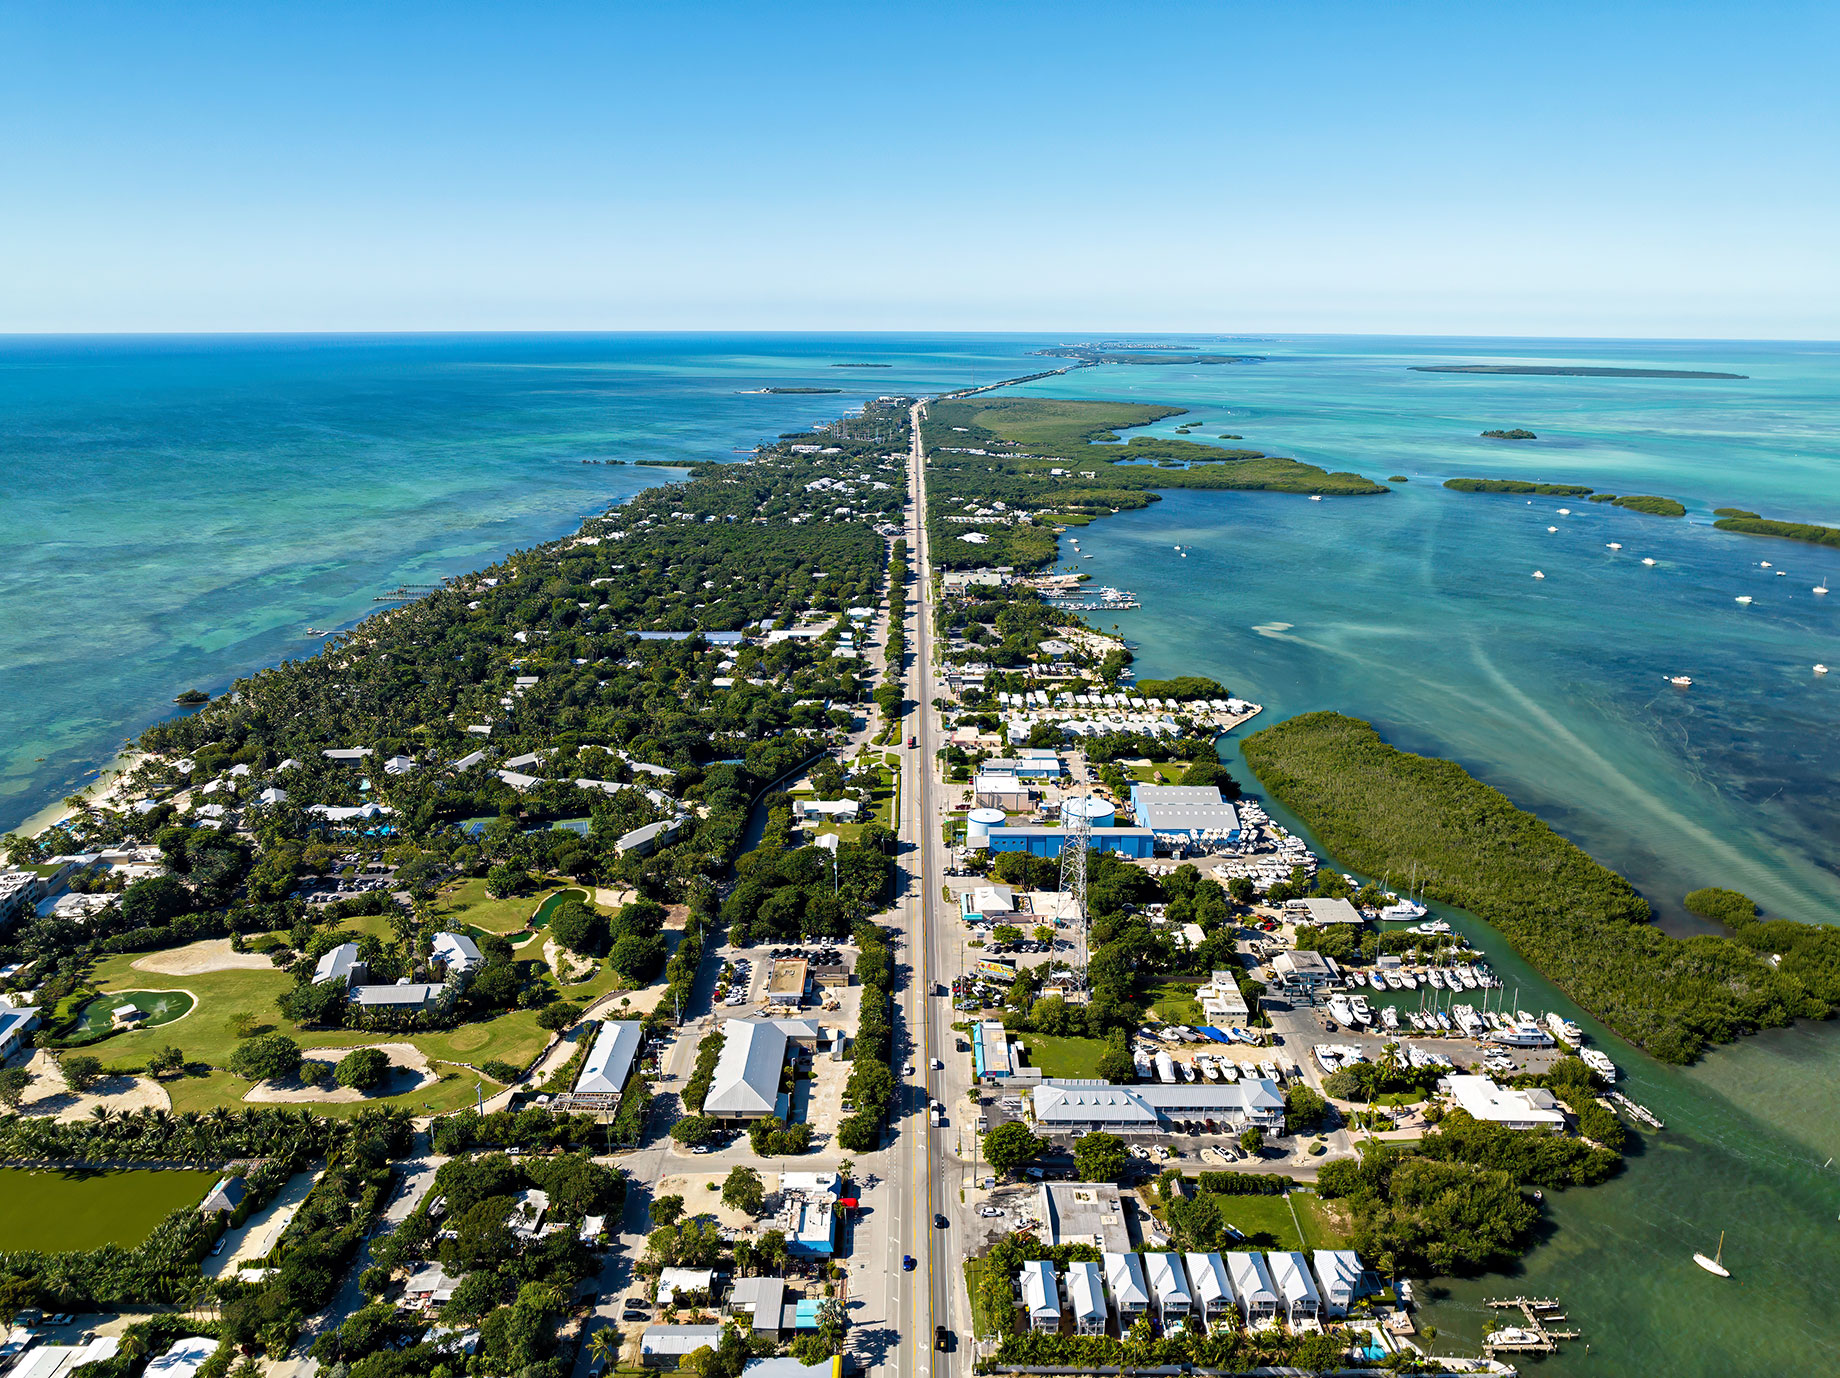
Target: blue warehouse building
1136,843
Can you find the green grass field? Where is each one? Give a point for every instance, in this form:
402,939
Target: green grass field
1264,1220
1319,1229
207,1035
63,1212
1175,1001
468,903
1064,1057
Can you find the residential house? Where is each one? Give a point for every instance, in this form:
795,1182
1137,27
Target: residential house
1124,1279
1252,1289
1086,1298
1298,1299
1041,1295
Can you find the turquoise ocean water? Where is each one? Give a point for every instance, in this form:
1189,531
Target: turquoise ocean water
182,510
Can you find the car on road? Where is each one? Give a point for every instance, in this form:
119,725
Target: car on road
218,1248
907,1263
939,1065
908,1070
941,1223
939,1337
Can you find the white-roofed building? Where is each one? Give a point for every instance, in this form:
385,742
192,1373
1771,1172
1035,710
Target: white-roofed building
1298,1299
1151,1107
1207,1280
1041,1295
1183,812
1124,1279
1256,1298
609,1062
457,953
685,1282
183,1359
1484,1100
1169,1286
341,963
1341,1277
747,1073
1327,911
15,1024
1086,1298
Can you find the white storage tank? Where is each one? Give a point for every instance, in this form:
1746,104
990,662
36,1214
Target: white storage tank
978,824
1099,813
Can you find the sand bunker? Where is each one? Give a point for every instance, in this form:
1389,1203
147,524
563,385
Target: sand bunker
209,954
409,1071
50,1094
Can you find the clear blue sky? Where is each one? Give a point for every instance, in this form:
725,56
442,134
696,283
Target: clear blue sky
1554,169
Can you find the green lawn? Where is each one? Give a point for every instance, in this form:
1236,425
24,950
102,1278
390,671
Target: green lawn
64,1212
206,1034
1264,1220
1064,1057
1175,1001
1319,1230
468,903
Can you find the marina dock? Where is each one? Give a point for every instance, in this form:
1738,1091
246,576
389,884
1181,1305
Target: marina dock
1537,1336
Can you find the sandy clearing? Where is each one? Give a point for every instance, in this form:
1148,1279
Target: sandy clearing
409,1071
208,954
50,1094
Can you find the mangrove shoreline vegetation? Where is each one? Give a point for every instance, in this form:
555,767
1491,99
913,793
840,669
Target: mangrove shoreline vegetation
1750,524
1636,502
1003,470
1384,811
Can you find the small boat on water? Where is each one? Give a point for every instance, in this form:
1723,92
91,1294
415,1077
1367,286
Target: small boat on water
1648,560
1359,1007
1316,497
1389,1017
1539,574
1820,588
1551,529
1614,545
1408,980
1435,977
1713,1265
1565,511
1680,681
1376,980
1743,598
1820,669
1764,563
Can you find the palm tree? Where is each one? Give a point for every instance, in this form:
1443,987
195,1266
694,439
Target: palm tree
604,1346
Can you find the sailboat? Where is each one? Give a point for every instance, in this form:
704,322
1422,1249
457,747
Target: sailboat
1712,1265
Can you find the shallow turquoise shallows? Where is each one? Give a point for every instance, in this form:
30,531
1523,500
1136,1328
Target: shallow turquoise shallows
181,511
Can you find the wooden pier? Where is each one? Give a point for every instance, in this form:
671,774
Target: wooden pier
405,593
1541,1314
